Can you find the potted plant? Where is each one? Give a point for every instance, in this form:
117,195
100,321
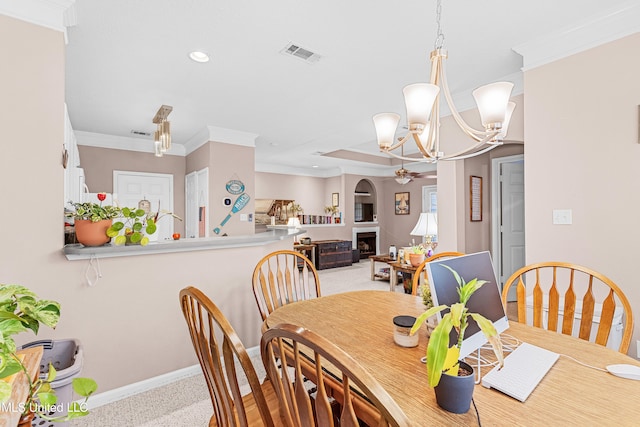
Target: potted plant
416,255
442,359
21,310
92,221
136,226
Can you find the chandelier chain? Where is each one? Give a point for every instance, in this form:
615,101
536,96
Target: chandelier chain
440,35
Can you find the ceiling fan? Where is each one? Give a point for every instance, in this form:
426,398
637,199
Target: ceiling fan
405,176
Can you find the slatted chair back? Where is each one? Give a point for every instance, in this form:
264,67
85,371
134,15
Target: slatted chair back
218,359
283,277
571,299
308,357
420,275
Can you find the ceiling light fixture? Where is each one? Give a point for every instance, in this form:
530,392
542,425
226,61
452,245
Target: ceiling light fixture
199,56
422,101
162,136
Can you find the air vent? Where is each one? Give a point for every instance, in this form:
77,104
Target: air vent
300,53
141,133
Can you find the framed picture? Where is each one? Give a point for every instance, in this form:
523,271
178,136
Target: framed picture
476,198
402,203
335,199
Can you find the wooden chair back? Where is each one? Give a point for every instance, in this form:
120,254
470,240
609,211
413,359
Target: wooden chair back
207,325
420,276
559,290
283,277
308,357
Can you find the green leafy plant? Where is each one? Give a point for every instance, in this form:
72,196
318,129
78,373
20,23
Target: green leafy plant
21,310
94,211
425,293
440,357
418,249
137,227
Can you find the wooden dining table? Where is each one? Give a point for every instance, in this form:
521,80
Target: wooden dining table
361,323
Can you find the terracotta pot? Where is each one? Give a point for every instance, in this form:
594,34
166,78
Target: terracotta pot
92,233
26,419
416,259
454,393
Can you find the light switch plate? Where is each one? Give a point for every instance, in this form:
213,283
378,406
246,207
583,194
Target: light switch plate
243,217
562,216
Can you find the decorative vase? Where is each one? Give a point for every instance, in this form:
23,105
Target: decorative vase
454,394
92,233
416,259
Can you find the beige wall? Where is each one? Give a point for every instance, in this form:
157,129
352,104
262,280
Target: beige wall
582,154
99,164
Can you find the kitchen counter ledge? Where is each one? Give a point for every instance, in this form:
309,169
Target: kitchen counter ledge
78,251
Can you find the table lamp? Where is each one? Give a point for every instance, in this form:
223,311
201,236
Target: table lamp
294,222
427,226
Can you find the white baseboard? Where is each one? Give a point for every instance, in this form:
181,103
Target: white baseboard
129,390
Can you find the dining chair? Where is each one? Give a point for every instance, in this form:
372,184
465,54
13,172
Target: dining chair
420,271
207,325
547,292
308,356
283,277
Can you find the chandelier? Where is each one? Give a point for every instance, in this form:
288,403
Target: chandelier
422,101
162,136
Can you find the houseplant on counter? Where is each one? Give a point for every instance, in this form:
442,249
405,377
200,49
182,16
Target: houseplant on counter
92,221
21,310
442,359
137,226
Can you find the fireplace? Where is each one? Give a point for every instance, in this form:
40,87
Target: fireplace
365,240
366,244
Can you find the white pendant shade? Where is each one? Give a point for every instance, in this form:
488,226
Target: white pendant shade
419,99
507,118
386,125
492,102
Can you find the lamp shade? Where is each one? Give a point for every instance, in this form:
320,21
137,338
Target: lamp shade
492,102
294,222
386,125
426,226
419,99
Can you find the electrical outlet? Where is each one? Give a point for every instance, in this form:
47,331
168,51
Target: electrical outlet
562,216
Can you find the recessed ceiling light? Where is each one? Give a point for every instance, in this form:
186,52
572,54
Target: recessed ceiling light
199,56
314,166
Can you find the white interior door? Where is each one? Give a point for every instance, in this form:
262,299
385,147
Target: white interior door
197,204
511,233
131,187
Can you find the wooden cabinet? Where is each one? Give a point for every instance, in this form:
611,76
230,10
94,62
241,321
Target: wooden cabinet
333,253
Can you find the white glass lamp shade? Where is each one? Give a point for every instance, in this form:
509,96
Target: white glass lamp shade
507,118
386,125
403,180
492,102
419,99
294,222
426,226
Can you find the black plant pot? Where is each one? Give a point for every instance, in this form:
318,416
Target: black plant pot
454,393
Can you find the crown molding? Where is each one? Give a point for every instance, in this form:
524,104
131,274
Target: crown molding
217,134
54,14
100,140
616,24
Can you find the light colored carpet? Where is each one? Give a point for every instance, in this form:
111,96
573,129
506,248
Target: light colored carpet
186,402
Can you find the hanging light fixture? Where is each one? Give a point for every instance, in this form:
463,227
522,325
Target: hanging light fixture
422,101
162,136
